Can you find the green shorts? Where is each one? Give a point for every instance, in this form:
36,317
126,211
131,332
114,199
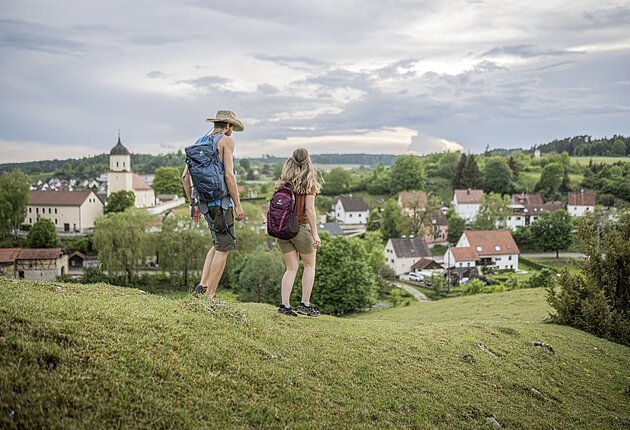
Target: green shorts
221,223
302,243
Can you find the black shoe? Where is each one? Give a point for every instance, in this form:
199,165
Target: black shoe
311,310
199,291
282,309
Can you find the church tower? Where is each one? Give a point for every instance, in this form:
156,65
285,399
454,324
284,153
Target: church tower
120,176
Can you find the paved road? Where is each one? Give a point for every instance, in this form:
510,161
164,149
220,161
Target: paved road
417,294
553,255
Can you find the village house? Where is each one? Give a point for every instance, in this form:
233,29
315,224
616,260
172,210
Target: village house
350,210
495,248
42,264
70,211
467,203
121,178
581,203
414,203
526,208
401,254
460,257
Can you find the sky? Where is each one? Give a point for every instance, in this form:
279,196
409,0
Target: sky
332,76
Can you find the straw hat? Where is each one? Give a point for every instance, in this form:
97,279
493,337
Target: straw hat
229,117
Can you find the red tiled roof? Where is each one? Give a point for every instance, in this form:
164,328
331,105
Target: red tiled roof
413,199
138,183
81,255
58,198
8,255
527,199
40,254
465,254
492,242
469,196
582,198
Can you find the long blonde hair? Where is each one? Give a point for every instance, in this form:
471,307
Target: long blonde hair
300,172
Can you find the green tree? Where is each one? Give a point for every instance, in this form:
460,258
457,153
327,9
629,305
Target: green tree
467,174
119,201
245,164
494,211
597,300
378,182
456,227
168,181
43,234
419,214
336,182
259,281
618,148
344,282
458,181
375,220
14,198
552,231
123,243
407,174
373,243
515,166
550,180
181,247
393,223
497,177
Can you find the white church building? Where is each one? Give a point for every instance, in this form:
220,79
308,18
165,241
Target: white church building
121,178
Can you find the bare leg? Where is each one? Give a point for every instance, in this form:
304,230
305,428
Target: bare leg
216,270
205,275
308,277
292,262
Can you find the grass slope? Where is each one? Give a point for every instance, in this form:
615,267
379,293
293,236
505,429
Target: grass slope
96,356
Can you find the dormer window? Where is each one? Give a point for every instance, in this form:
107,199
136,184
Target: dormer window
497,248
478,248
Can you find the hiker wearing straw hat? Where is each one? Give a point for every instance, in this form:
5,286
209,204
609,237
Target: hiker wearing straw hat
210,186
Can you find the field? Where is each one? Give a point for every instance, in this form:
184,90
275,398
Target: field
606,160
97,356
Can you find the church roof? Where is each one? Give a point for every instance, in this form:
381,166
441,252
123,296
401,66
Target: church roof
119,149
139,184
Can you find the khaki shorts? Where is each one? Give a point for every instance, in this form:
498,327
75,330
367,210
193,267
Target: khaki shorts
302,243
221,223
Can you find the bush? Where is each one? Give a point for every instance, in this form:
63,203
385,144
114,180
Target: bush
260,279
395,297
43,234
543,278
93,275
475,286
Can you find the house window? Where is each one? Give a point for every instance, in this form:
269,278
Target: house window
55,210
30,210
392,260
510,258
497,248
350,215
36,210
49,210
30,220
55,221
116,163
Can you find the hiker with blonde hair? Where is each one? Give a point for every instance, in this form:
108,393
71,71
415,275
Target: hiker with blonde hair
300,173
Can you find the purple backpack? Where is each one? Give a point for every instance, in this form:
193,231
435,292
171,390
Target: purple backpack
282,221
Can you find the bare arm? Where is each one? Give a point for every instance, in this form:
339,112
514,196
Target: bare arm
227,154
311,215
186,184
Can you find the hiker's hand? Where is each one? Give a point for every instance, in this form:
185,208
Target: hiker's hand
316,241
196,214
239,213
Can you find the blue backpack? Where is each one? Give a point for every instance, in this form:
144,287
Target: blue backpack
206,169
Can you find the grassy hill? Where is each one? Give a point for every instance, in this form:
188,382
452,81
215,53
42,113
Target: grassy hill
97,356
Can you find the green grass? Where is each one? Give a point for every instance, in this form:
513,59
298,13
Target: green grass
97,356
606,160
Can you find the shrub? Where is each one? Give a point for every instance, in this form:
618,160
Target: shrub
93,275
475,286
543,278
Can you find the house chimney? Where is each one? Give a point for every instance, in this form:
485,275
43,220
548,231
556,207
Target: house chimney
582,191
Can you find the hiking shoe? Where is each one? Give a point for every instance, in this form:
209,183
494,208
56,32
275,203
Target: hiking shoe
282,309
199,290
311,310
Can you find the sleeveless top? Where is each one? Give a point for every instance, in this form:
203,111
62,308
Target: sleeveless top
301,208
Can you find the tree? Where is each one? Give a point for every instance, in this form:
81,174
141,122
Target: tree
378,182
550,180
407,174
168,181
345,282
470,176
336,182
119,201
456,227
373,243
182,246
598,299
259,281
244,162
420,214
515,166
618,148
375,220
497,177
458,178
393,223
552,231
14,197
494,211
43,234
122,242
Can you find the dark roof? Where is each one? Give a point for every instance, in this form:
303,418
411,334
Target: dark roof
59,198
40,254
438,218
8,255
582,198
353,204
332,228
119,149
410,247
426,263
81,255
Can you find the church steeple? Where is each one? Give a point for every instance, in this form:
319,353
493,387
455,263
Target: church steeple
119,149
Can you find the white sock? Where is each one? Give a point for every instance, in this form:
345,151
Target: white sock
307,304
286,306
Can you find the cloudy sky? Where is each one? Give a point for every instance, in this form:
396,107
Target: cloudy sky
339,76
